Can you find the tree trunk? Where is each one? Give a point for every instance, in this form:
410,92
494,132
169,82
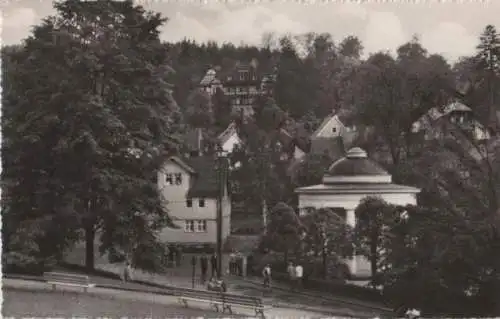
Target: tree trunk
373,259
264,214
325,271
89,247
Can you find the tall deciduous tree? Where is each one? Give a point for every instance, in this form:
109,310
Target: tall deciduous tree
85,138
374,219
402,89
328,235
199,110
283,231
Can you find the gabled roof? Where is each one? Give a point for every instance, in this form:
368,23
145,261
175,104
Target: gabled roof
182,163
228,132
343,116
325,121
205,180
289,142
456,106
209,78
232,76
204,175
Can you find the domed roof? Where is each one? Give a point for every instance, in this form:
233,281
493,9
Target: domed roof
355,163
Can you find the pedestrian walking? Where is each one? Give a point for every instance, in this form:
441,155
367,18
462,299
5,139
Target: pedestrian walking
213,262
232,263
127,272
266,274
299,272
204,268
291,274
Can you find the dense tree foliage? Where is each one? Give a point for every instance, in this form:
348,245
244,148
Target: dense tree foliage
327,235
81,138
89,112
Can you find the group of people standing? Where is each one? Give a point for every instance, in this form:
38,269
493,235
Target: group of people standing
295,273
204,266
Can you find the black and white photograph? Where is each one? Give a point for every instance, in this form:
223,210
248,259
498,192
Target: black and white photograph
250,159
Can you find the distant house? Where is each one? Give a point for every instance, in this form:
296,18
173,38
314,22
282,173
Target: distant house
196,142
336,133
440,122
229,138
241,84
190,187
291,148
210,83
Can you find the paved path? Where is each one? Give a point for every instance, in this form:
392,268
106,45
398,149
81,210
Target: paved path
123,295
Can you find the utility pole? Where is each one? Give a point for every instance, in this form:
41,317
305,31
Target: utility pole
221,174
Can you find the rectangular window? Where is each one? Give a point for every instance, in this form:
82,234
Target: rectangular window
201,202
189,226
169,179
189,203
201,226
195,226
178,179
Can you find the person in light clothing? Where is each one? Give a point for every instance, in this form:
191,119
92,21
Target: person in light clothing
299,271
291,274
266,273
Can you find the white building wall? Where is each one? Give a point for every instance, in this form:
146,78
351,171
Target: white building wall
230,144
178,210
351,201
328,129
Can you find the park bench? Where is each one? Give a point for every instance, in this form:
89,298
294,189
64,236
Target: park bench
219,300
185,294
66,279
255,303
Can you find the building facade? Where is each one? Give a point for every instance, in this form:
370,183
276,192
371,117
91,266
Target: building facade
439,123
242,84
190,187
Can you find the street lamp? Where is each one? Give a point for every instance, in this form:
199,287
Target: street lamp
221,178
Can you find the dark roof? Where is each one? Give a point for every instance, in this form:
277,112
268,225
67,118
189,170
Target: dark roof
356,162
334,147
205,181
289,142
232,76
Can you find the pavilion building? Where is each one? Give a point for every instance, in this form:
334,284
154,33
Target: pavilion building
347,181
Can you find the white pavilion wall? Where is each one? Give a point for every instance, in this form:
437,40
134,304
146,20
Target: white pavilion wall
359,265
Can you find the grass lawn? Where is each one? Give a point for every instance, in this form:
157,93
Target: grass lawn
24,303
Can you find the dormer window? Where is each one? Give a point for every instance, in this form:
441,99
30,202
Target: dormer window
243,75
169,179
334,130
178,179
